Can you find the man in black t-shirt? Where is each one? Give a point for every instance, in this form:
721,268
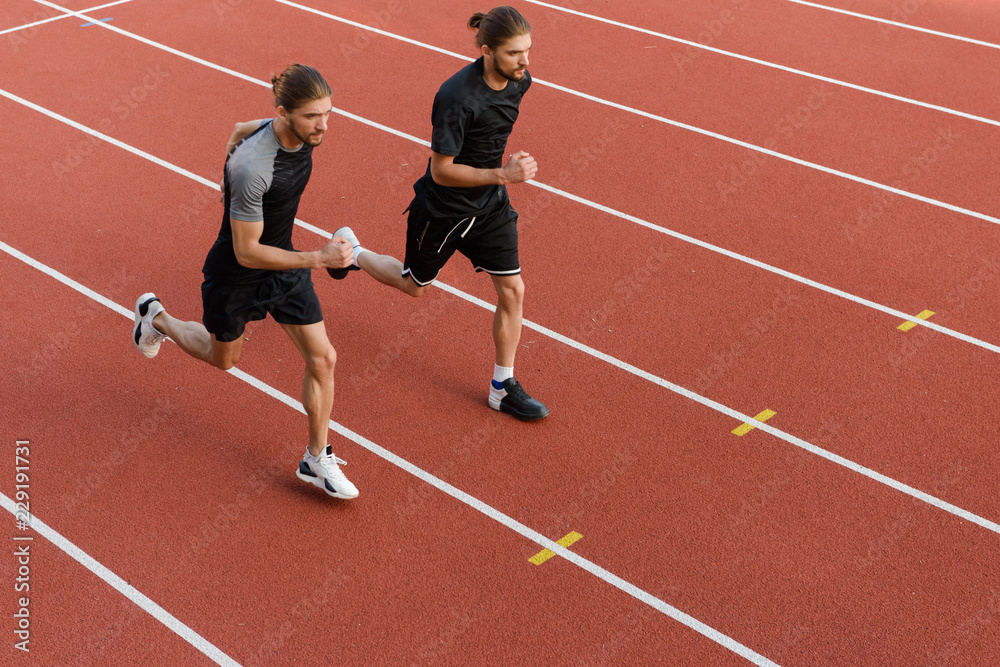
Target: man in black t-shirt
461,202
253,270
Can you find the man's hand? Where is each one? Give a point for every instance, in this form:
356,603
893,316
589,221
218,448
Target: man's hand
520,168
337,253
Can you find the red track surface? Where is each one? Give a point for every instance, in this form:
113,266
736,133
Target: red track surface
797,558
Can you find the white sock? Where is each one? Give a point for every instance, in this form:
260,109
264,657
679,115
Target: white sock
357,253
501,373
309,458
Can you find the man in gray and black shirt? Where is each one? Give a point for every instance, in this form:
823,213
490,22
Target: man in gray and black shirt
253,270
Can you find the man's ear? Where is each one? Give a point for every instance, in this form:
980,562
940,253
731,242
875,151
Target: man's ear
486,51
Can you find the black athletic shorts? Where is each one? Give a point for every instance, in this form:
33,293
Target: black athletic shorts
287,295
488,238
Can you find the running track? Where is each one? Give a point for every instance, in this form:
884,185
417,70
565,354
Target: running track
713,233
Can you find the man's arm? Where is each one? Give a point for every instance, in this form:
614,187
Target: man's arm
520,168
240,131
336,254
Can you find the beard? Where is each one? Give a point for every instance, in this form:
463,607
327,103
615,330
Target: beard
513,75
306,139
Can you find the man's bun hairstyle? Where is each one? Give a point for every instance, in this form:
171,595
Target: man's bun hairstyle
297,86
497,26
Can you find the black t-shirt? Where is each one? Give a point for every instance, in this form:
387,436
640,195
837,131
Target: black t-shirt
264,182
471,122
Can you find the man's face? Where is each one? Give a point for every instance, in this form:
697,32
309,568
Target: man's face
510,60
308,122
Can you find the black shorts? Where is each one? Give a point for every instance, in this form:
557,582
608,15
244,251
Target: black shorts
288,296
488,239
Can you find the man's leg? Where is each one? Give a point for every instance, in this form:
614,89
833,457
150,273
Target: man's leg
506,394
507,318
317,384
389,271
193,338
319,466
153,325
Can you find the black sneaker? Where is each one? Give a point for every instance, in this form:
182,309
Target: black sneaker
340,274
512,399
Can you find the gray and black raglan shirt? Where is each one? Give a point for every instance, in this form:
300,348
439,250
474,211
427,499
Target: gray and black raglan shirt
264,182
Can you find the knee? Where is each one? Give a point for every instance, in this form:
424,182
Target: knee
415,290
321,365
511,297
223,360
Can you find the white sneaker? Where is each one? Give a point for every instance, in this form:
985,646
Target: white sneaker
145,336
326,474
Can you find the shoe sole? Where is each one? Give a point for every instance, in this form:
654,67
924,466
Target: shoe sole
340,274
525,417
498,405
321,483
141,308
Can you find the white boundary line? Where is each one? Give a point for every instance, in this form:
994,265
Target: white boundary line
463,497
586,349
894,23
667,121
586,202
61,16
766,63
107,576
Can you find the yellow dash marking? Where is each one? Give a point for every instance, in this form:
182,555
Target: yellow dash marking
745,428
546,554
907,325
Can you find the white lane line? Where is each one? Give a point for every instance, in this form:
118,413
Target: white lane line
634,370
668,121
895,23
766,63
463,497
61,16
120,585
896,314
